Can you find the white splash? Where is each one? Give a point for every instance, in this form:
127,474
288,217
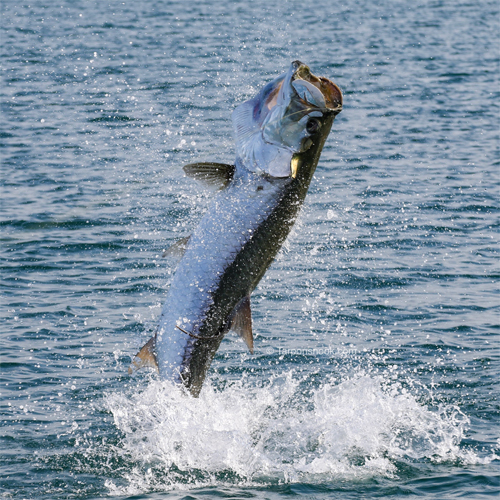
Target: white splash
353,428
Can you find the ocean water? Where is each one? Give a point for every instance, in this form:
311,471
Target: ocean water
376,372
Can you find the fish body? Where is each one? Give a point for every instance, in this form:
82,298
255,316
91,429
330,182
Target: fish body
280,134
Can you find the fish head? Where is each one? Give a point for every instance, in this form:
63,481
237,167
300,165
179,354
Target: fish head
290,116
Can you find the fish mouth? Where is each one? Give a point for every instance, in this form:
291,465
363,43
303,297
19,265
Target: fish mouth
271,127
308,92
331,93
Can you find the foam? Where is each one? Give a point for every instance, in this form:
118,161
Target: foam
245,434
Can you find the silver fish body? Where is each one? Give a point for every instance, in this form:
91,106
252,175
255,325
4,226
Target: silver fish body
246,223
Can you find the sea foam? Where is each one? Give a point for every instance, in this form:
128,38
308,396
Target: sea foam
358,427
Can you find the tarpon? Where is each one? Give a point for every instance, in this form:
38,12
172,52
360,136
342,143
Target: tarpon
279,137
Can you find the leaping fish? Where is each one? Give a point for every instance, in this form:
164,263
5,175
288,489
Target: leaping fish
279,137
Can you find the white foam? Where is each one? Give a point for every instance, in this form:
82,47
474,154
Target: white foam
352,428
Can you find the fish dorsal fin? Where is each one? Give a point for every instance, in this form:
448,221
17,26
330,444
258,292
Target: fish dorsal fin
178,248
241,321
213,174
145,357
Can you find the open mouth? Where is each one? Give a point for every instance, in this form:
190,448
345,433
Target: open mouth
329,93
313,91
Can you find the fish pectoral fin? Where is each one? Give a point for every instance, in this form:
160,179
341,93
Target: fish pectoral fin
213,174
145,357
241,321
177,249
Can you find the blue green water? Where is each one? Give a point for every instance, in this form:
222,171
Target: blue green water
376,371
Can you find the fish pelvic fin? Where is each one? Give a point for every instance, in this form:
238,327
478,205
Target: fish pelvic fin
217,175
240,321
177,249
145,357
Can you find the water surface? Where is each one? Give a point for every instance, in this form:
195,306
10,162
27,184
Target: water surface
377,364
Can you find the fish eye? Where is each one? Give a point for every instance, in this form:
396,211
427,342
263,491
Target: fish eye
312,125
